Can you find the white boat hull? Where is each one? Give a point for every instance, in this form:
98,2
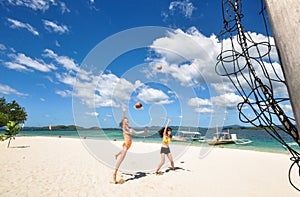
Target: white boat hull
219,141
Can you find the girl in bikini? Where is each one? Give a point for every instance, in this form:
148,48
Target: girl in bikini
165,133
127,134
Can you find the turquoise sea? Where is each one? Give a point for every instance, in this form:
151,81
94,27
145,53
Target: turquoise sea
261,140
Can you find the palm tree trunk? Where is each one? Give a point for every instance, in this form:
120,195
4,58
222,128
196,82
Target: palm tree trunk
8,142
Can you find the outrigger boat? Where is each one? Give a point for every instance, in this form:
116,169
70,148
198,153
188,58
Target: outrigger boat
220,138
226,138
188,136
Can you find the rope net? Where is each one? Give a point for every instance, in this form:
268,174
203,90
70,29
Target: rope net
248,64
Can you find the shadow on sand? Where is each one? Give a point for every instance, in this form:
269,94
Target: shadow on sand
19,146
139,175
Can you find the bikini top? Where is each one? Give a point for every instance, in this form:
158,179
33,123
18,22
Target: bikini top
128,131
167,140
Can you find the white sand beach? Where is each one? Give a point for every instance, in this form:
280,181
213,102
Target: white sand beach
50,166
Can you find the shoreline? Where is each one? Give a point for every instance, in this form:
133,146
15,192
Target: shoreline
52,166
284,151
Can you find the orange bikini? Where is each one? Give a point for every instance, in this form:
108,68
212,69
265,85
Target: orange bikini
128,145
127,134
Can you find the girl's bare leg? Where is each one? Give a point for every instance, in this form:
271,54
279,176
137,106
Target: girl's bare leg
171,160
117,155
123,154
161,163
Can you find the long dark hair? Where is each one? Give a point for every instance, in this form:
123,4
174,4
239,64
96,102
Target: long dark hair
121,123
161,131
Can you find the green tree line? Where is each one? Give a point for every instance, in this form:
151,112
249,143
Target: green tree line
11,115
11,112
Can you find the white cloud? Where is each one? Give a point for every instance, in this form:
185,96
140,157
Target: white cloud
111,86
108,90
262,46
37,64
66,78
153,96
196,102
191,58
57,43
17,24
39,5
223,87
33,4
12,50
16,66
53,27
201,105
229,100
287,108
63,7
105,90
95,114
204,110
274,72
5,89
2,47
64,93
92,5
68,63
184,7
179,46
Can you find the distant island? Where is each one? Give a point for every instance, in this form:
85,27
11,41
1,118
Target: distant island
186,128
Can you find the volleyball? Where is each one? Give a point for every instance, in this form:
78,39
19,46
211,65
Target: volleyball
159,67
138,105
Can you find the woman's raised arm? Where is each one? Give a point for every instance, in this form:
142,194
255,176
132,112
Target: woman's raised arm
166,127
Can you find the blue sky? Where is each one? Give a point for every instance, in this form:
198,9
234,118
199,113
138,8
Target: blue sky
78,62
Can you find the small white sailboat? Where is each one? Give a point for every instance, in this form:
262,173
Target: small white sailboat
50,127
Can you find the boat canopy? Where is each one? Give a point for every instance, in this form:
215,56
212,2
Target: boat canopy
189,132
